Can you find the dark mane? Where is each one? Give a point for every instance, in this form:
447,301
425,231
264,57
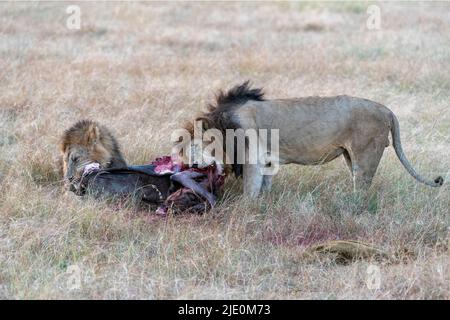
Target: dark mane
79,126
237,95
78,133
220,115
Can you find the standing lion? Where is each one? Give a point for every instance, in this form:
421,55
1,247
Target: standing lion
312,131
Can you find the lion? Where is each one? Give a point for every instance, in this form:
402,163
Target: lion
88,142
312,131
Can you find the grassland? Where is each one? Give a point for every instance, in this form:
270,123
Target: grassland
142,69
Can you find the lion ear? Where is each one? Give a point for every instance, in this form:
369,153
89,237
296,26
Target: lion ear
93,135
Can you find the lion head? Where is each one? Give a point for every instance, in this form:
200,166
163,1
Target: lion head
217,118
87,142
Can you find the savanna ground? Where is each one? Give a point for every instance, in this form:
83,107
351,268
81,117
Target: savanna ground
142,69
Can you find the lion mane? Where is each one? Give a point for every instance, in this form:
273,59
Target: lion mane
219,114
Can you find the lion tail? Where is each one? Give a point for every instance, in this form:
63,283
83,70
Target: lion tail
395,130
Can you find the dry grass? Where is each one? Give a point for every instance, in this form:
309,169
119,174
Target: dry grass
140,69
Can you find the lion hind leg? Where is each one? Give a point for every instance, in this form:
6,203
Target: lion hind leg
365,163
348,161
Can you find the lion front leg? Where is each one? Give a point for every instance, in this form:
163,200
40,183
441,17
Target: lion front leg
253,180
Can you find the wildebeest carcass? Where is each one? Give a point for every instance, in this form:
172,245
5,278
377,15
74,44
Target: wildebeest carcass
163,183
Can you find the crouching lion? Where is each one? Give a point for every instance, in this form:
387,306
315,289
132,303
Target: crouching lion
88,142
312,131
